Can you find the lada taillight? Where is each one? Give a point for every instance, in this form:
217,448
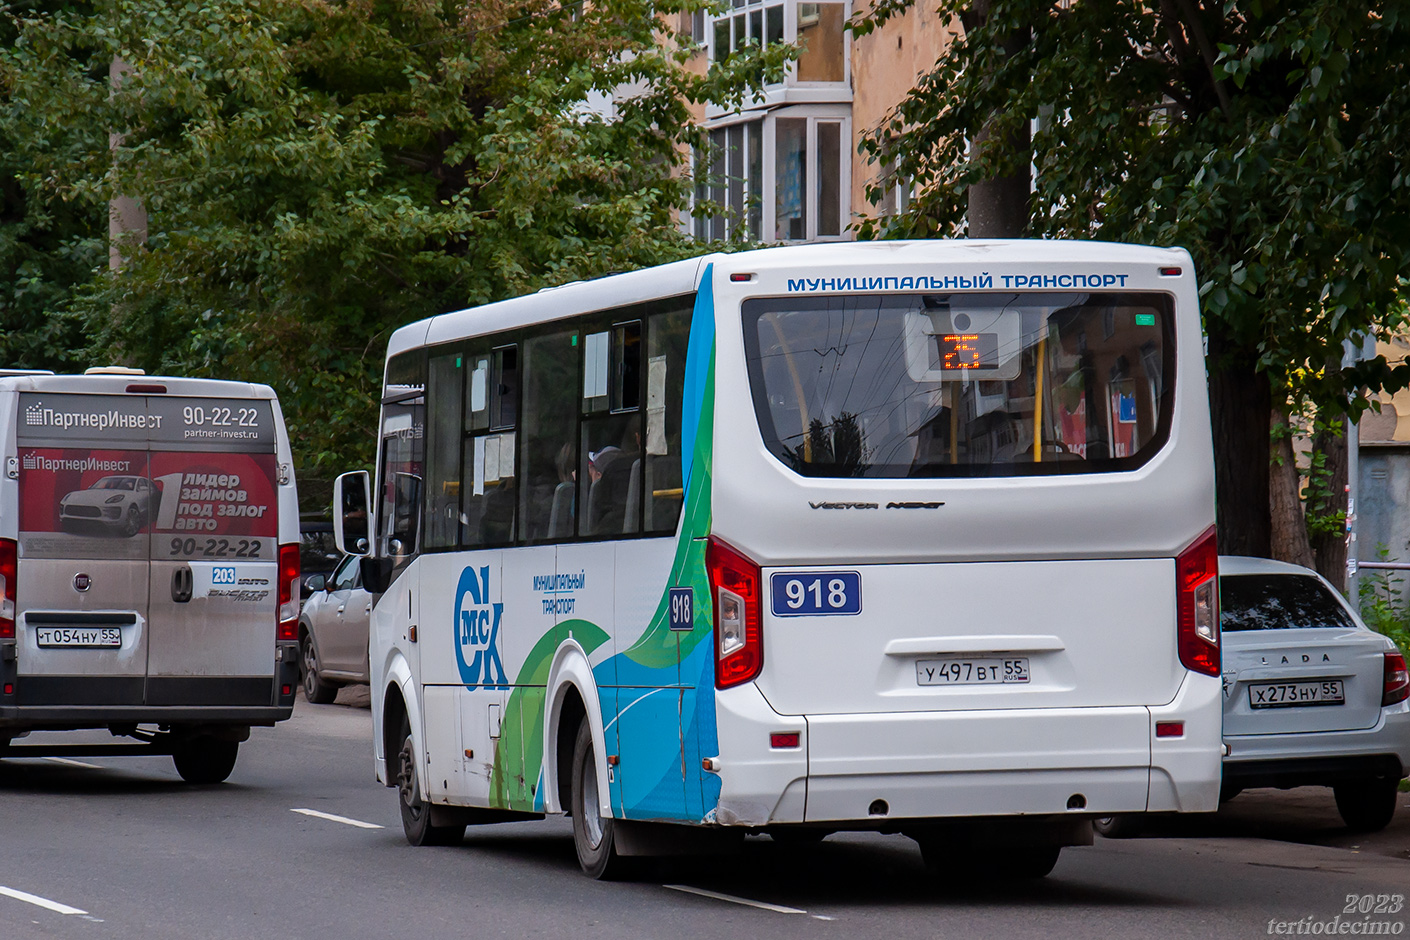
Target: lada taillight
736,589
1197,604
9,571
1396,687
288,607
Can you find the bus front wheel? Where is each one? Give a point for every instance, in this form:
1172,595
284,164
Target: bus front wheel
592,833
415,811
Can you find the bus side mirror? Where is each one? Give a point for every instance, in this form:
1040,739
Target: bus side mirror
352,501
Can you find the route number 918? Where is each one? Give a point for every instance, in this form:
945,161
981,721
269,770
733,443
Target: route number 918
816,593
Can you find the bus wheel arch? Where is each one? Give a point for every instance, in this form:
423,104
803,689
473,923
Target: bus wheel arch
573,701
394,710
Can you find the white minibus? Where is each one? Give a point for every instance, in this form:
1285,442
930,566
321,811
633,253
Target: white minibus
912,537
149,552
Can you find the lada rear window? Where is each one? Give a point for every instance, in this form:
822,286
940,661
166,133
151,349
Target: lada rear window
1278,602
962,385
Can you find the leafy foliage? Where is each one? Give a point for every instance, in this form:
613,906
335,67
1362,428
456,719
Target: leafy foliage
317,173
1382,602
1266,136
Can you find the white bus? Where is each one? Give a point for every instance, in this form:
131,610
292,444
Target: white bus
907,537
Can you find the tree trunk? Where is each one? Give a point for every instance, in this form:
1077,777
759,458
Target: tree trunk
999,206
1330,546
1289,530
1240,409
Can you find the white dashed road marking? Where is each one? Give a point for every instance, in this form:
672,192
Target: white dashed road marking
761,905
37,901
337,819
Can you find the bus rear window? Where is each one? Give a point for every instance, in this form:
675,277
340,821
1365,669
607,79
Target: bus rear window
962,385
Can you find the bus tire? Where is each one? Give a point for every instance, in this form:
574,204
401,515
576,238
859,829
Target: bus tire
205,760
1367,805
315,689
415,811
593,836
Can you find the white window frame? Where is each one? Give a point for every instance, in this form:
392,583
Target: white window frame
790,34
814,115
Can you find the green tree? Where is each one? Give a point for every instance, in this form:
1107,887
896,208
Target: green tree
48,248
1266,136
318,173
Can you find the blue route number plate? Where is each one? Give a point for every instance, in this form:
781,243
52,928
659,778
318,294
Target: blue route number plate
682,604
816,593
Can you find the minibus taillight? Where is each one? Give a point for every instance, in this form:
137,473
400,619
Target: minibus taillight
9,571
1397,680
288,607
735,586
1197,604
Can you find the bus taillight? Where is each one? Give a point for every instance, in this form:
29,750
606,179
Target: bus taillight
736,588
288,607
1197,604
9,570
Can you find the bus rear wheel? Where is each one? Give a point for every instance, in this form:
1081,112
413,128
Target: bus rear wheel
415,811
593,836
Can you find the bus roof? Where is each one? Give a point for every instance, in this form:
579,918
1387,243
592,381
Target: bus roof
683,277
117,384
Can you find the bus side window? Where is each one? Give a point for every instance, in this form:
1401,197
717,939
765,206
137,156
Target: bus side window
550,382
668,335
489,497
402,458
442,489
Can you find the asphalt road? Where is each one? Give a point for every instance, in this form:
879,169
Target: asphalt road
121,848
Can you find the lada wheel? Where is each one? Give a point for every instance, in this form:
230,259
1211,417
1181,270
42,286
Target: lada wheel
1367,805
1125,826
315,689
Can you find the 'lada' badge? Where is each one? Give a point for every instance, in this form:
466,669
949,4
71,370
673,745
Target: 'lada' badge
81,582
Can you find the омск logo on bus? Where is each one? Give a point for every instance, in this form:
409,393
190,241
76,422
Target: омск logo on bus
477,631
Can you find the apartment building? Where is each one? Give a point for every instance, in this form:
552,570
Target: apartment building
786,165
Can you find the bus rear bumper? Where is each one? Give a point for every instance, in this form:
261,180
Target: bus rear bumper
875,770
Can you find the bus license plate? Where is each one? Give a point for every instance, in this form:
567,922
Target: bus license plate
971,671
1288,694
93,637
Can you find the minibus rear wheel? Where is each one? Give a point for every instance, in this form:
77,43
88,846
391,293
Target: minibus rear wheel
205,759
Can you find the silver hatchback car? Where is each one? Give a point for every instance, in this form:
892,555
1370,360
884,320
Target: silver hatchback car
333,631
1312,696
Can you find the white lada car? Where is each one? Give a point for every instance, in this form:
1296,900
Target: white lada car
1312,696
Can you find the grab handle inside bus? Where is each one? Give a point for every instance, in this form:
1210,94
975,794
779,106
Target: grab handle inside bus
352,512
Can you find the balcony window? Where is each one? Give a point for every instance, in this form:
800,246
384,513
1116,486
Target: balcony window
784,177
730,174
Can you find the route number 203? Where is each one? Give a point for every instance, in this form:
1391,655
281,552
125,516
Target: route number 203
816,593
